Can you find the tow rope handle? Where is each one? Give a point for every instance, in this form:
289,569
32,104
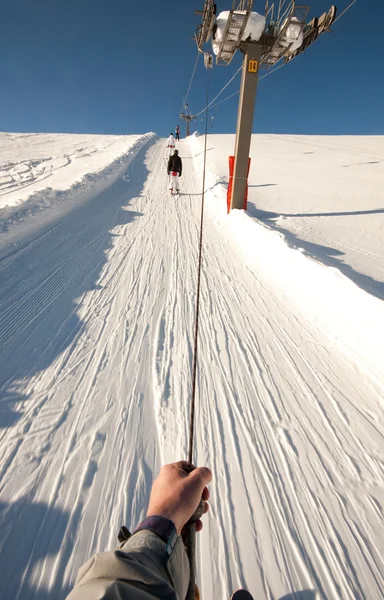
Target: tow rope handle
189,539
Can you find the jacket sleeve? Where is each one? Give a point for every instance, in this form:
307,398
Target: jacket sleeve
141,570
169,164
181,167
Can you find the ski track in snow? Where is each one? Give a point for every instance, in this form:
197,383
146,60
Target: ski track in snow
96,330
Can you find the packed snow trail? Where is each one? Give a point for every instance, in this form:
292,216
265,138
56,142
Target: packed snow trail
96,326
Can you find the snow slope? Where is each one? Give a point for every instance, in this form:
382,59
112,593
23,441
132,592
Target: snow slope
40,171
324,193
96,321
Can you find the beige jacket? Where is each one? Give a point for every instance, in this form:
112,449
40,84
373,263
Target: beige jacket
140,570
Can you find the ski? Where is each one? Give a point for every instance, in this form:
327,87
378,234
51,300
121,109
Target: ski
241,595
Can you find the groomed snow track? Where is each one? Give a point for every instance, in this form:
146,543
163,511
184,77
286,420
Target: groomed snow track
96,323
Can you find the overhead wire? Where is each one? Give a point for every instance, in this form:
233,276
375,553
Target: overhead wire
272,71
221,91
226,98
235,93
238,91
344,11
191,80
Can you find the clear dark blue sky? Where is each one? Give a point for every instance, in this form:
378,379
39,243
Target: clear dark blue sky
118,66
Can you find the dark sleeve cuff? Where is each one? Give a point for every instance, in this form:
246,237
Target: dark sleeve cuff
164,528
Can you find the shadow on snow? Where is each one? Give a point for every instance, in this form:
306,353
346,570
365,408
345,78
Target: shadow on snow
25,550
53,540
325,254
263,215
303,595
54,275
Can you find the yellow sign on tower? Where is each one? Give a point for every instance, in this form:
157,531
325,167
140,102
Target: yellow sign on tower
253,66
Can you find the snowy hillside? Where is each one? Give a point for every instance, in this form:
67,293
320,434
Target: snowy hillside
38,171
324,193
96,328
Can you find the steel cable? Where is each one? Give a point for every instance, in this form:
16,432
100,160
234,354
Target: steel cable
197,313
191,80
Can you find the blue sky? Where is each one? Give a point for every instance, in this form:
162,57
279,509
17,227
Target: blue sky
98,66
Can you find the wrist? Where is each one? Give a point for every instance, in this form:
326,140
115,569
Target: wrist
163,527
165,512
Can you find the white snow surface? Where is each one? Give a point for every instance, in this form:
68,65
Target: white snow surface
324,193
32,163
96,330
253,29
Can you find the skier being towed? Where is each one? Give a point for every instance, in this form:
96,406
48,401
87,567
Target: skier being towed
174,169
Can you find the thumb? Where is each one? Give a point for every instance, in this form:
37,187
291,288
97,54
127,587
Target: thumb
202,476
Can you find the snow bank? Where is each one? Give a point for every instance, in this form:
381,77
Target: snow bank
253,29
325,193
327,298
33,162
39,171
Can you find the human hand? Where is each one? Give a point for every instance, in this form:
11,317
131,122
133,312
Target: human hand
176,494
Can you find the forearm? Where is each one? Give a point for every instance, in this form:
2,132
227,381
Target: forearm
140,568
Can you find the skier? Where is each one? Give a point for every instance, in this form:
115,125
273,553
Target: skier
171,143
152,563
178,133
174,169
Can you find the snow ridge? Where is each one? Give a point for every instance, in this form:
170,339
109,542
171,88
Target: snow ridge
30,185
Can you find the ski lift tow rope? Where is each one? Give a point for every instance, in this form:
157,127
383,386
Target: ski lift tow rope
190,530
196,329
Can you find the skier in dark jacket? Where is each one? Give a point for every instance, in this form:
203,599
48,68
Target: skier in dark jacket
175,167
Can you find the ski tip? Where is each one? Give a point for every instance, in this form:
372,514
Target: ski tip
241,595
